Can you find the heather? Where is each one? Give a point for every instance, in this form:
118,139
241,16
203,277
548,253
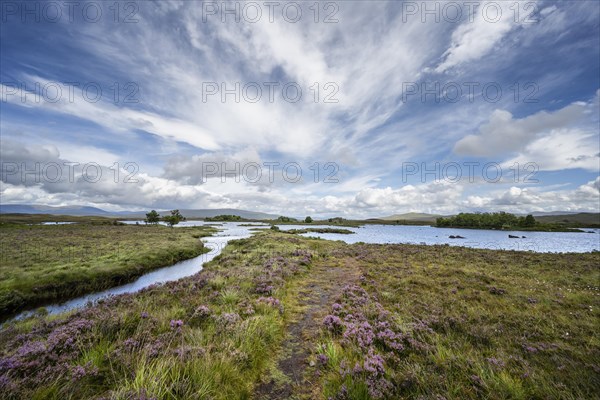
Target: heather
43,263
207,336
277,316
453,323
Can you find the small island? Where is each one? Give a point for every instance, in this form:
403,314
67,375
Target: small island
224,218
500,221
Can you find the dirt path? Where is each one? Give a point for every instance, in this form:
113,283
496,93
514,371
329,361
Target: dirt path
315,293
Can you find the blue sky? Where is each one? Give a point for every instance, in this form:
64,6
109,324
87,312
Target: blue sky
411,101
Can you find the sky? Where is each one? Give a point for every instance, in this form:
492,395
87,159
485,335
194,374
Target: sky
335,108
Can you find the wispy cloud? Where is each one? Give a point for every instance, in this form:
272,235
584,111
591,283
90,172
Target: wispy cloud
197,78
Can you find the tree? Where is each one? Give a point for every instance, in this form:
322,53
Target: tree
174,218
224,217
286,219
152,217
498,220
529,221
308,220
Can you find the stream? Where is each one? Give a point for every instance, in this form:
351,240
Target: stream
227,231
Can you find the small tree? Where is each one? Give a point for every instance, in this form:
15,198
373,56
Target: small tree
152,217
529,221
308,220
174,218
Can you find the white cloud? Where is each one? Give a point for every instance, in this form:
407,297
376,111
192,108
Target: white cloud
504,134
562,149
477,36
369,55
114,118
586,197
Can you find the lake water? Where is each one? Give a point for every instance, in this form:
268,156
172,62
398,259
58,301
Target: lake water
484,239
543,242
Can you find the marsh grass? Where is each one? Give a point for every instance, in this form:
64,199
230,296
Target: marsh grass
474,324
421,322
211,335
40,264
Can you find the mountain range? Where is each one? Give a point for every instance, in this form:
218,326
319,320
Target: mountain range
93,211
548,217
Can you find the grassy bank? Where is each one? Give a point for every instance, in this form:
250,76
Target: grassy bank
537,228
278,316
36,219
54,262
319,230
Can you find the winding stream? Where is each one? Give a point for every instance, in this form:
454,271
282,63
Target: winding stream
227,231
532,241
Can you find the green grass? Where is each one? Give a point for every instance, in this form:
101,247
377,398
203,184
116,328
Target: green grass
473,323
54,262
25,219
499,325
134,351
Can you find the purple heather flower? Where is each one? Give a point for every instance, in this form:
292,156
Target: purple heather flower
81,371
322,359
361,333
202,311
333,323
130,343
176,323
7,385
337,308
374,364
496,362
271,301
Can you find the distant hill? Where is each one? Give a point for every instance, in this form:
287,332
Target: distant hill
411,216
39,209
202,213
93,211
584,219
549,213
564,217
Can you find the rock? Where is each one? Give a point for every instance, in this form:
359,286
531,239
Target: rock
456,237
513,237
523,237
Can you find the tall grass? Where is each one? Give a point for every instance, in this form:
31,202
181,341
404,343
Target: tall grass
414,322
48,263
